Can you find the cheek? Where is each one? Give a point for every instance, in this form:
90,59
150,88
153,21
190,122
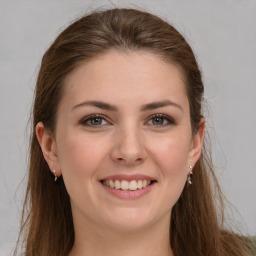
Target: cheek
80,156
171,157
80,159
172,153
174,174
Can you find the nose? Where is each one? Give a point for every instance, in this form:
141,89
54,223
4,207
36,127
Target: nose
129,148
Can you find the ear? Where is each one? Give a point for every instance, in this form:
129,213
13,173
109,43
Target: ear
197,144
48,145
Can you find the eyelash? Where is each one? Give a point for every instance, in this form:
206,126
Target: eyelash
166,118
84,121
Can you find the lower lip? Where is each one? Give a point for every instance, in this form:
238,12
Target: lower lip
129,194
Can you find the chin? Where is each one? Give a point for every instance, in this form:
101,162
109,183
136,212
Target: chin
129,220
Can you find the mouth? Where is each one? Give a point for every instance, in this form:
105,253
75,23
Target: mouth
128,185
125,186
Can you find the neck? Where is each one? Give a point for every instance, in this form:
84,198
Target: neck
98,241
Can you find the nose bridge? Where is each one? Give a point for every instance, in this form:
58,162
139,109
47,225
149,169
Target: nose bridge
129,144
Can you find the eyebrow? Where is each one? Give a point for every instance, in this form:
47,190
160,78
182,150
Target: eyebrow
98,104
145,107
160,104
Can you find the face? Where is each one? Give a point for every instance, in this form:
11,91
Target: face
123,140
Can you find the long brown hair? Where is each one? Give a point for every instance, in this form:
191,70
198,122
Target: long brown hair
197,217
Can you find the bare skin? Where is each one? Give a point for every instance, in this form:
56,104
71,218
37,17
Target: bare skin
124,117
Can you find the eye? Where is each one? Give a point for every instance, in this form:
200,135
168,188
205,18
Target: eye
160,120
94,120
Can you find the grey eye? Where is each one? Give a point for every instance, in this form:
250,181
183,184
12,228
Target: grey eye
95,121
158,120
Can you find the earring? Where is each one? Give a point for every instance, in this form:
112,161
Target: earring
55,176
189,178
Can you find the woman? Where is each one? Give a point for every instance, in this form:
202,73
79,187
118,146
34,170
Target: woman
117,159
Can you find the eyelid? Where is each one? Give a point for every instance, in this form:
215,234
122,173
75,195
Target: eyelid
170,120
89,117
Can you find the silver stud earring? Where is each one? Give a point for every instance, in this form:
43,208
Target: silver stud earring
189,177
55,176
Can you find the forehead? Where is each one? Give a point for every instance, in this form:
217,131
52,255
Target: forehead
120,76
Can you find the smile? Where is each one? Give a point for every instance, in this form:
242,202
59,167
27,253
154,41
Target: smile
127,185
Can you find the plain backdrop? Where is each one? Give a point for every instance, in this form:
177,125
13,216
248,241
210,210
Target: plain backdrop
223,36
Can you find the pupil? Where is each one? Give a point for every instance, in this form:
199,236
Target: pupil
158,120
96,121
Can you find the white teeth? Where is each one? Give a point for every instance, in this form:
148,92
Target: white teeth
133,185
117,184
124,185
127,185
111,184
139,184
144,183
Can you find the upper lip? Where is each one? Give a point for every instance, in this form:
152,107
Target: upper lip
128,177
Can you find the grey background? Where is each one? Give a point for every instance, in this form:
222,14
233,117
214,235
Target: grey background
223,36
